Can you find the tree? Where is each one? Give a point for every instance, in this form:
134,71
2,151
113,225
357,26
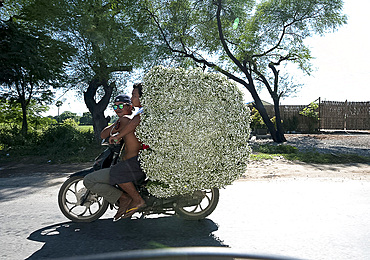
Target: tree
68,115
12,116
109,36
31,63
86,119
248,41
58,104
11,113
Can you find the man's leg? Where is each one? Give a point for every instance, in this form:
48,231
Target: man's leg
124,202
124,173
98,182
137,201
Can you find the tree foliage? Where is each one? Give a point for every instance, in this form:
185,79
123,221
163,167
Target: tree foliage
11,114
31,63
248,41
11,118
110,39
68,115
86,119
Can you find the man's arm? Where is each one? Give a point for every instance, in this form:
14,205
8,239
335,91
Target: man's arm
107,131
113,129
129,127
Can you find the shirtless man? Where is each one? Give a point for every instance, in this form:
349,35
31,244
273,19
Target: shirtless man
125,172
128,171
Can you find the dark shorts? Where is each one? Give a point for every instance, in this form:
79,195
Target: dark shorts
126,171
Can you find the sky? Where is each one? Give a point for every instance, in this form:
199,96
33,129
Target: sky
341,70
340,64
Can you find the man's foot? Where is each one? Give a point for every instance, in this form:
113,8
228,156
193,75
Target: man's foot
134,208
124,202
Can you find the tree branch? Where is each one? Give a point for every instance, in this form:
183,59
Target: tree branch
263,79
223,41
276,76
274,47
295,20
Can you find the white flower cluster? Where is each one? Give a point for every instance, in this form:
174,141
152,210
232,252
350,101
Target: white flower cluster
197,128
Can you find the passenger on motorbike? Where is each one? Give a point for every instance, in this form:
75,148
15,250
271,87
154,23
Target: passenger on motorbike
128,171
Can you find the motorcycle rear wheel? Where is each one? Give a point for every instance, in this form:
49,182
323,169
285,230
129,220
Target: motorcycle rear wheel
202,209
71,193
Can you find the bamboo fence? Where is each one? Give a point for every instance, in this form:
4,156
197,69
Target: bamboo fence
332,115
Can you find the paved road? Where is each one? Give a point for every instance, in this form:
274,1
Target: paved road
308,219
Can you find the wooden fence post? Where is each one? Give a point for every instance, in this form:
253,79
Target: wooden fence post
320,114
345,114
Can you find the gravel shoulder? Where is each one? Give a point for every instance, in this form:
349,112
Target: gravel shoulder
332,143
327,143
279,167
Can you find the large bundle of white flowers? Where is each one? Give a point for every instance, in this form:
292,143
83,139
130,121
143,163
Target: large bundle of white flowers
197,128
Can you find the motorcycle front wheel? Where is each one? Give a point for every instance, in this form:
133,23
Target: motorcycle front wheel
79,204
204,208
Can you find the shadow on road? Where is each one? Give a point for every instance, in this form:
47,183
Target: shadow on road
12,188
102,236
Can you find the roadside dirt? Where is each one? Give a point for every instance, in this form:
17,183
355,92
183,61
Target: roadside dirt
280,168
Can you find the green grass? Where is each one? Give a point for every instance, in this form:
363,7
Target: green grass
85,128
324,158
262,156
269,151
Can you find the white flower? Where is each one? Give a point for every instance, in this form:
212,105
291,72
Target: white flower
197,128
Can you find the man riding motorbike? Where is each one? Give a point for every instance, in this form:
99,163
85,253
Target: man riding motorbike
127,172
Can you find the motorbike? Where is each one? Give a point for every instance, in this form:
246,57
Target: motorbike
79,204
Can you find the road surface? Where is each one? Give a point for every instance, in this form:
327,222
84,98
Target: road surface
304,218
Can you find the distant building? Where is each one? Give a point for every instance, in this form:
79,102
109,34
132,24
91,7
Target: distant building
265,103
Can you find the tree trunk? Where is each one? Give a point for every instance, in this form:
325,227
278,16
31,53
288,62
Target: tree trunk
277,136
99,122
280,138
97,108
24,119
270,126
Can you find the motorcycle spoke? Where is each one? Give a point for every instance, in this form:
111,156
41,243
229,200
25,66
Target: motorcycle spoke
74,192
70,210
73,203
71,191
209,199
75,188
196,207
83,213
